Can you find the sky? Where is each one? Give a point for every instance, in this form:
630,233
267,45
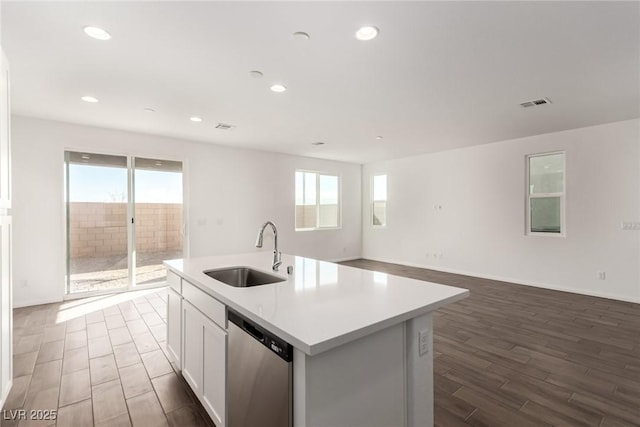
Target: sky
89,183
306,188
380,187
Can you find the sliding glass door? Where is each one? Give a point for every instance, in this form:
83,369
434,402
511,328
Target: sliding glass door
123,216
158,217
97,202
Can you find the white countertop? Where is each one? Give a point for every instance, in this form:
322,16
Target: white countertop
321,305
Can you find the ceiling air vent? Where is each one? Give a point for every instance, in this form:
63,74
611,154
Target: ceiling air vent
224,126
535,102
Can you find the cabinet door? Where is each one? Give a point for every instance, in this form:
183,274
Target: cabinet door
174,326
214,379
192,346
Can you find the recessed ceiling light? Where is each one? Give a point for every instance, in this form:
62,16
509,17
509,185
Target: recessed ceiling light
97,33
301,35
195,119
379,137
278,88
367,33
256,74
149,110
89,99
317,143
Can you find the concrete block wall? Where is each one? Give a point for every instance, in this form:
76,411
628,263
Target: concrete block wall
158,227
306,215
100,229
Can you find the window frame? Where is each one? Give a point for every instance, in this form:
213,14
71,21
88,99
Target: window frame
318,174
561,195
373,200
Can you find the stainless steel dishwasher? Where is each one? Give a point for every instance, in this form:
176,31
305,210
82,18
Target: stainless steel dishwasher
259,376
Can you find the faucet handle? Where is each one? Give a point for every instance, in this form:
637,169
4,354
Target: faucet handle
277,260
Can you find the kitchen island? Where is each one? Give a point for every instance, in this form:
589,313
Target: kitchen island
362,340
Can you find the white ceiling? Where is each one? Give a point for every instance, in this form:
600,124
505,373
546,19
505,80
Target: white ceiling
441,75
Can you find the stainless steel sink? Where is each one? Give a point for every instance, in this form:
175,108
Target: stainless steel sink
242,277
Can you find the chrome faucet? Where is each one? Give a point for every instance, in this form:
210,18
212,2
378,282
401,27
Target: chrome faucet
276,255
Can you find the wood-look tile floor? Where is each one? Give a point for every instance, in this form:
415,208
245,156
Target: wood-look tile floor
98,361
517,356
508,355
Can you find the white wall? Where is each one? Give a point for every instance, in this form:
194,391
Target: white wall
479,231
481,228
230,193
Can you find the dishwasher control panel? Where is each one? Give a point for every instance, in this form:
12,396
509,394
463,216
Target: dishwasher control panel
278,348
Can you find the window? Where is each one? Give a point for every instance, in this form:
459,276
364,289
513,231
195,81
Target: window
545,199
379,201
317,201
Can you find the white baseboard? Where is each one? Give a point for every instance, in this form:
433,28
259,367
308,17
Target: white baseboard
35,302
578,291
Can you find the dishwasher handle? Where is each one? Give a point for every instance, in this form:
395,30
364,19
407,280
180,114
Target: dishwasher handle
253,331
274,343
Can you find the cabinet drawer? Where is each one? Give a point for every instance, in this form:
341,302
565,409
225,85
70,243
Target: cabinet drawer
212,308
174,281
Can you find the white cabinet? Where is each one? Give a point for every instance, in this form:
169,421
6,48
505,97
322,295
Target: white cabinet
6,306
174,326
174,281
214,377
204,361
192,346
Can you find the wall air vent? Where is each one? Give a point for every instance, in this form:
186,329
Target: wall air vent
535,102
224,126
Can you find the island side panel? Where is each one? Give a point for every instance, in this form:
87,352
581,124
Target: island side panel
419,341
361,383
299,388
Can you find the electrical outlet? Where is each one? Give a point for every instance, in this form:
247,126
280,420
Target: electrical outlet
602,275
423,343
631,226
